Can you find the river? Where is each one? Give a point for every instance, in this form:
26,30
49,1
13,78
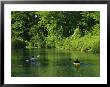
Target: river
54,63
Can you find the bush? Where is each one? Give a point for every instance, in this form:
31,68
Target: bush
87,43
17,43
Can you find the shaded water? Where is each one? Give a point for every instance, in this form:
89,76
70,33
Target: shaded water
53,63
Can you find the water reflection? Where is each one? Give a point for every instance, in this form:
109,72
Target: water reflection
52,63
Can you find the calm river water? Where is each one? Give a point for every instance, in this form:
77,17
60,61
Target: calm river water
53,63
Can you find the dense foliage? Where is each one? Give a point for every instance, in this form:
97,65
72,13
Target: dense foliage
70,30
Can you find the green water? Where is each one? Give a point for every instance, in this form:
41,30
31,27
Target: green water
54,63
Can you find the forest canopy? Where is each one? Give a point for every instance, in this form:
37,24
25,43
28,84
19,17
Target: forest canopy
69,30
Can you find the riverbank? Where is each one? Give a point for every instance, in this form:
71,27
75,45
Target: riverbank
87,43
83,44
